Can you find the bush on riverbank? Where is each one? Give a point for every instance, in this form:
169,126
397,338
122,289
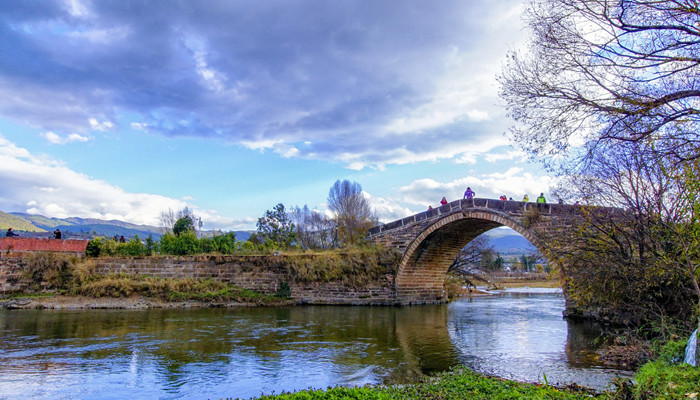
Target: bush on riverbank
667,377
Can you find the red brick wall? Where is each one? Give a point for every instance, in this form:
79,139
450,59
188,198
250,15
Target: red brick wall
20,245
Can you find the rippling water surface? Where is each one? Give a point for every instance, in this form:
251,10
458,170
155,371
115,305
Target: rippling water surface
219,353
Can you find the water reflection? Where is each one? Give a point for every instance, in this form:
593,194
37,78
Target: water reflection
523,336
219,353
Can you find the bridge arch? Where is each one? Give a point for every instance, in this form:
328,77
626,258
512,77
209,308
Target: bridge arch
421,272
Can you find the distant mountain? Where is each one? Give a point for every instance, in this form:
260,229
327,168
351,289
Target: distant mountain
75,227
508,242
17,223
87,228
243,236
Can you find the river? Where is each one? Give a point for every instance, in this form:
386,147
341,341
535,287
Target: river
246,352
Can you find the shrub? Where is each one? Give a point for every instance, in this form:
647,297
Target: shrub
133,247
100,246
186,243
50,269
151,245
225,244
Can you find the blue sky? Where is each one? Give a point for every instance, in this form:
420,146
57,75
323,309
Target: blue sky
125,109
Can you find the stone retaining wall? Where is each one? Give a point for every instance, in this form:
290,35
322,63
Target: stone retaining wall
264,274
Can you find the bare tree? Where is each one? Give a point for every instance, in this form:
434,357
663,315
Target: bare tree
167,221
169,218
602,71
471,258
314,230
642,258
351,210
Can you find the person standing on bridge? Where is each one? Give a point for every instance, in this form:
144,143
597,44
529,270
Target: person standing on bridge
443,201
57,234
526,198
541,199
10,233
469,193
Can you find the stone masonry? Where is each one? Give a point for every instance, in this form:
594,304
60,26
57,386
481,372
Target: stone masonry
431,240
264,274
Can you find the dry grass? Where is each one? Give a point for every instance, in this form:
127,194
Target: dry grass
355,267
46,270
521,279
170,289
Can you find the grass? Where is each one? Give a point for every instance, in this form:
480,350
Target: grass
655,380
518,280
170,289
459,384
355,267
73,276
661,380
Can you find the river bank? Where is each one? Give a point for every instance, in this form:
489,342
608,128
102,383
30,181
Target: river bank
64,302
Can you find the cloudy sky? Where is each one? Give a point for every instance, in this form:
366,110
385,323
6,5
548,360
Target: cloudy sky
124,109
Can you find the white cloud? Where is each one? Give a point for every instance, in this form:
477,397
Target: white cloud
43,186
100,125
507,156
57,139
139,126
514,182
386,209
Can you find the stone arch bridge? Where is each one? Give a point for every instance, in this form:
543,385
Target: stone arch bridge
431,240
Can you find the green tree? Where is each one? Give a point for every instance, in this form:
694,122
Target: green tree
276,227
183,225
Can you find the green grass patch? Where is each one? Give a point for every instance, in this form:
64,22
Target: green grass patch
660,380
460,384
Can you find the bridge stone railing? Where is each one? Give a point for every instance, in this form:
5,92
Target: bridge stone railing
509,207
